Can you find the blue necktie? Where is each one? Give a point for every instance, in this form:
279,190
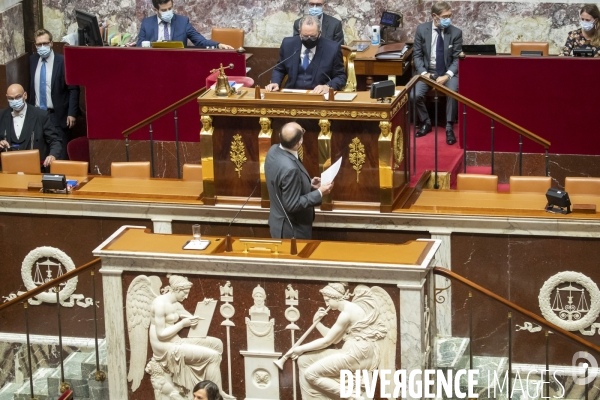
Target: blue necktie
306,60
166,30
440,63
43,101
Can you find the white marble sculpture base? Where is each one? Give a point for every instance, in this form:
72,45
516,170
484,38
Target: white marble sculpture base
262,375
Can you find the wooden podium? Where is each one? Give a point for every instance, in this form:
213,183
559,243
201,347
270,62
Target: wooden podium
238,131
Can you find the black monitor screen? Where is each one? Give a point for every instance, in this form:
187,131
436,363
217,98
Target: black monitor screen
390,19
89,30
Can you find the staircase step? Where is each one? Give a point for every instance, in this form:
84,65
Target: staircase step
40,386
88,366
72,366
8,391
451,353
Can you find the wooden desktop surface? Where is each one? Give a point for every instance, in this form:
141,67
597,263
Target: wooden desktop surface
140,240
18,182
366,63
532,204
155,187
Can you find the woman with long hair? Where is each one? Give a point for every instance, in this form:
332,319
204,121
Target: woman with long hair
207,390
587,36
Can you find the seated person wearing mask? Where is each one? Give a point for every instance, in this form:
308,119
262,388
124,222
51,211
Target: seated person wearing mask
310,61
26,127
331,28
167,26
588,35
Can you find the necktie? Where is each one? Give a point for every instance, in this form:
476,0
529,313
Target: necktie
306,60
42,91
166,26
440,63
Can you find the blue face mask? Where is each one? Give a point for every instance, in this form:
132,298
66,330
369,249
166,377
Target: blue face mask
167,16
16,105
445,22
587,25
44,51
315,11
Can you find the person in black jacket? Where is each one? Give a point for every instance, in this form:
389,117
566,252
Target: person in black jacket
331,28
25,127
59,99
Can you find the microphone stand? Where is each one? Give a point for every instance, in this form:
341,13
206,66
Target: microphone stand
257,87
293,248
228,240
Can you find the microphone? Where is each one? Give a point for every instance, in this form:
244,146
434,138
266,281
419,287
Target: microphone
280,62
293,248
228,242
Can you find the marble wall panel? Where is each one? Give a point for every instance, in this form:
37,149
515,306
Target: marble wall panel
208,287
266,23
77,237
559,165
12,42
515,267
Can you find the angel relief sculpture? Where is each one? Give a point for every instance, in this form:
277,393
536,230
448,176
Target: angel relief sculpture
177,363
367,325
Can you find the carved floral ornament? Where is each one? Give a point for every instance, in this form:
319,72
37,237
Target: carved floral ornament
563,300
298,112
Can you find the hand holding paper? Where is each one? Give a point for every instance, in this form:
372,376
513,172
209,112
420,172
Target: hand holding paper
330,173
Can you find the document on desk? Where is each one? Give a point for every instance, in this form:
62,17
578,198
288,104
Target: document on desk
330,173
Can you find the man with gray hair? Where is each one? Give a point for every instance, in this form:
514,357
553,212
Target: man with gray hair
310,61
435,52
331,28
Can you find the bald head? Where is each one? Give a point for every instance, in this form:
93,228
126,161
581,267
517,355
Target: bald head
14,90
290,135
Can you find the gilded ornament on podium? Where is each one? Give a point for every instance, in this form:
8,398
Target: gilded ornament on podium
238,154
398,146
357,155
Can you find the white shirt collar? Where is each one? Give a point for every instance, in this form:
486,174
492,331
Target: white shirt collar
160,20
19,114
294,153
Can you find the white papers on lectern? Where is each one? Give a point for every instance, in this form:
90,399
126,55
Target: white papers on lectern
330,173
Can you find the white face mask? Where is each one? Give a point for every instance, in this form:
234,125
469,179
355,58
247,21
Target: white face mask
167,16
588,25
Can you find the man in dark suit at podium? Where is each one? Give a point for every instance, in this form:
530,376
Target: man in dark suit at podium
435,52
49,90
167,26
331,28
289,183
26,127
310,62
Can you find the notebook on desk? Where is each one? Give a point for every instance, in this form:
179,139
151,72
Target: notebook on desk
167,45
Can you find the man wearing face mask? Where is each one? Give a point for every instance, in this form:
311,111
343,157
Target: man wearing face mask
167,26
331,28
435,52
49,91
310,62
26,127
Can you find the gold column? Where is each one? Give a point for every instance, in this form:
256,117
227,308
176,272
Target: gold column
386,166
324,144
208,165
351,74
264,144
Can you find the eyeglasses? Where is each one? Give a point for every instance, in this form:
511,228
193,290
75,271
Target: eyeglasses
17,97
310,37
38,45
445,16
315,4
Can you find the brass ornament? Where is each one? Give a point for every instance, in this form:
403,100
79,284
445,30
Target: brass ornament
238,154
204,109
263,111
207,128
383,114
353,114
234,110
398,146
265,127
301,153
293,112
319,113
357,155
385,128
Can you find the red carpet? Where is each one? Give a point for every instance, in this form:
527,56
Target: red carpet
450,158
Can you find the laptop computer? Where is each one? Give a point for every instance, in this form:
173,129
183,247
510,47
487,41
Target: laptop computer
167,45
479,49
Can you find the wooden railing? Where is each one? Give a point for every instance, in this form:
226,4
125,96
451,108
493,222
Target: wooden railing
522,132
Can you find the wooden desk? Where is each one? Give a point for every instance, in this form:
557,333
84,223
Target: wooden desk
19,182
368,65
130,187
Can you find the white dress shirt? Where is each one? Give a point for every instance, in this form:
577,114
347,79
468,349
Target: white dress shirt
432,55
36,80
311,54
161,29
19,120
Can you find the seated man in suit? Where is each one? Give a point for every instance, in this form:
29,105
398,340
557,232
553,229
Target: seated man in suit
49,91
24,127
435,52
170,27
290,185
310,61
331,28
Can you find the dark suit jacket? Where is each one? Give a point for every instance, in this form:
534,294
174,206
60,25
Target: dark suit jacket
422,47
65,98
181,31
327,62
45,137
331,28
287,177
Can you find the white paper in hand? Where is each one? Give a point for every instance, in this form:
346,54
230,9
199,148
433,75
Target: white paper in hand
330,173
